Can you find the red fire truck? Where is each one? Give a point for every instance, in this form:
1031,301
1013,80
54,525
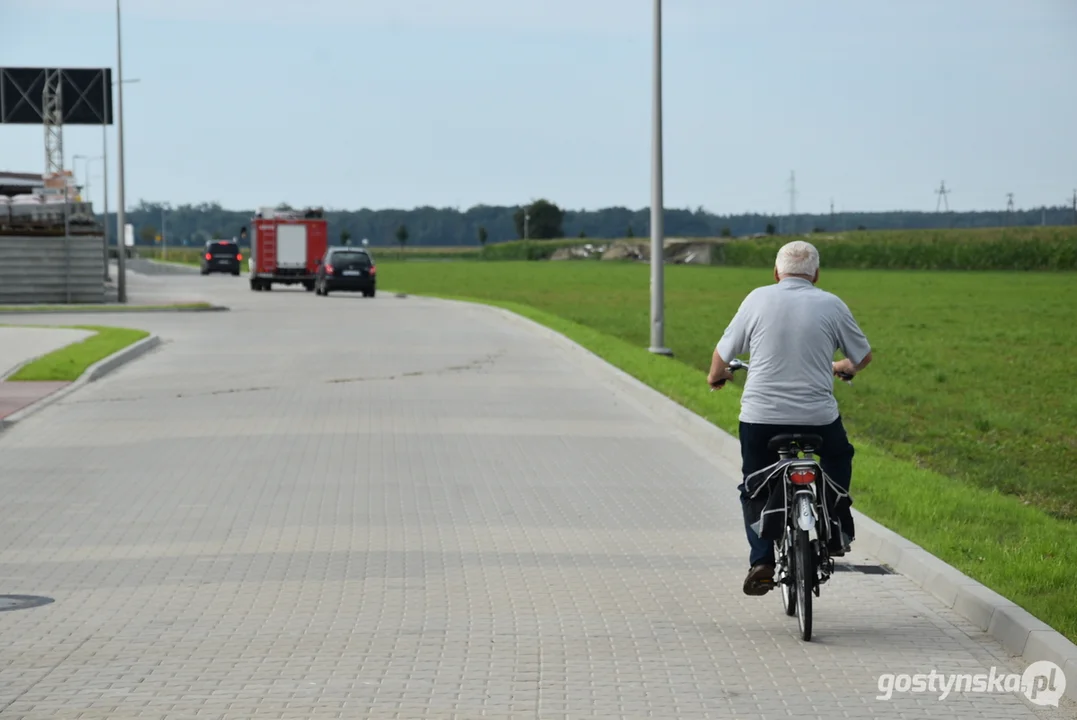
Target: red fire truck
286,247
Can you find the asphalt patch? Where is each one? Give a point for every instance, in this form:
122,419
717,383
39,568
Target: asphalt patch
22,602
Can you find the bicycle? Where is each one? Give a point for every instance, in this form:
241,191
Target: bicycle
804,562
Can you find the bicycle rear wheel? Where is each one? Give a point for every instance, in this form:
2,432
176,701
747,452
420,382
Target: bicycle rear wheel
804,578
787,574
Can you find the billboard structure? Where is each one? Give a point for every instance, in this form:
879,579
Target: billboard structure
85,96
52,98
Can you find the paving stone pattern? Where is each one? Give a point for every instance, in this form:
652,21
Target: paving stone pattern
349,508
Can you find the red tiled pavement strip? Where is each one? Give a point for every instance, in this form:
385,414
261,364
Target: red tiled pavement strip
14,396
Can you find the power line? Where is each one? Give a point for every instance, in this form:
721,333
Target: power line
792,202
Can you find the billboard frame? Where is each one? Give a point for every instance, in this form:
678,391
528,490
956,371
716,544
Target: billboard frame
22,91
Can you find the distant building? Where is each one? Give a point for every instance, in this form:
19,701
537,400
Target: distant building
13,183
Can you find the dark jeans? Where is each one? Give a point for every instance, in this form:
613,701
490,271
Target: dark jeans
836,458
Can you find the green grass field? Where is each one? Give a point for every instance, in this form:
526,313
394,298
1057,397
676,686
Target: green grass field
964,424
68,363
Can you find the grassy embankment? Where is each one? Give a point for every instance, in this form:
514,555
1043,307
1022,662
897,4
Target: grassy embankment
192,256
1031,248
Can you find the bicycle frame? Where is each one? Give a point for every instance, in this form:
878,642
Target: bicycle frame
803,511
803,552
803,560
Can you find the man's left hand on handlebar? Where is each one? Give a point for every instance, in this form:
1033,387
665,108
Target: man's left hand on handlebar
718,375
717,378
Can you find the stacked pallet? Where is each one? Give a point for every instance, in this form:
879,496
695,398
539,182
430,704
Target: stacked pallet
45,214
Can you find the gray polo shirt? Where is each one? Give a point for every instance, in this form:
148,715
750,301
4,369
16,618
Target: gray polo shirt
790,331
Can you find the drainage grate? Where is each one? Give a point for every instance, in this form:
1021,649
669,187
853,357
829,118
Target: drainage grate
401,295
22,602
864,569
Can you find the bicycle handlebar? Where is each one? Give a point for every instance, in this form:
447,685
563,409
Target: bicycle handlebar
735,365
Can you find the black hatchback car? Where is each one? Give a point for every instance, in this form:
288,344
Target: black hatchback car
346,268
221,256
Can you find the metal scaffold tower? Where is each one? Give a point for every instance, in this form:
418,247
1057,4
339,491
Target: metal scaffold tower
52,103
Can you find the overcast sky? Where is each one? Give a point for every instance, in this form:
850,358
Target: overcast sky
401,103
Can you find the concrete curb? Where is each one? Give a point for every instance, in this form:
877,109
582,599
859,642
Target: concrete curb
10,373
1018,631
95,372
186,269
113,310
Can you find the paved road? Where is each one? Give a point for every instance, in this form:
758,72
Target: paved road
400,508
149,268
150,283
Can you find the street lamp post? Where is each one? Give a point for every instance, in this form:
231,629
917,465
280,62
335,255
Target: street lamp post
104,232
104,153
121,218
657,231
88,160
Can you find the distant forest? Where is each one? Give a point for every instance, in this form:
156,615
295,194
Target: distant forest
429,226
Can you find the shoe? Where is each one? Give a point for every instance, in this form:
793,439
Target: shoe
760,580
839,548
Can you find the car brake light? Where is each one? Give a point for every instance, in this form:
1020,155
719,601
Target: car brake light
373,269
209,256
239,257
802,476
329,269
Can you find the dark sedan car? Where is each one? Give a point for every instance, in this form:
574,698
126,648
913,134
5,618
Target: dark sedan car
348,269
221,256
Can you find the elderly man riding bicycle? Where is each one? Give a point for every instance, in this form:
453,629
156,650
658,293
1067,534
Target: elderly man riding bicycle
791,330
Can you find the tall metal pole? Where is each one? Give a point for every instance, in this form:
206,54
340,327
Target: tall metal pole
121,219
657,230
104,163
59,115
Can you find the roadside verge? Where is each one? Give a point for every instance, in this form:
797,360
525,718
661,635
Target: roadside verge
52,391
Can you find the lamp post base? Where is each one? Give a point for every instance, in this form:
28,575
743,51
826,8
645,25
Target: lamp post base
661,351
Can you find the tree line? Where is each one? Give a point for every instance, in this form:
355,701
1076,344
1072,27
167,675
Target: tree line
431,227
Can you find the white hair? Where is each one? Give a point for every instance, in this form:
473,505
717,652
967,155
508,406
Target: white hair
797,258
